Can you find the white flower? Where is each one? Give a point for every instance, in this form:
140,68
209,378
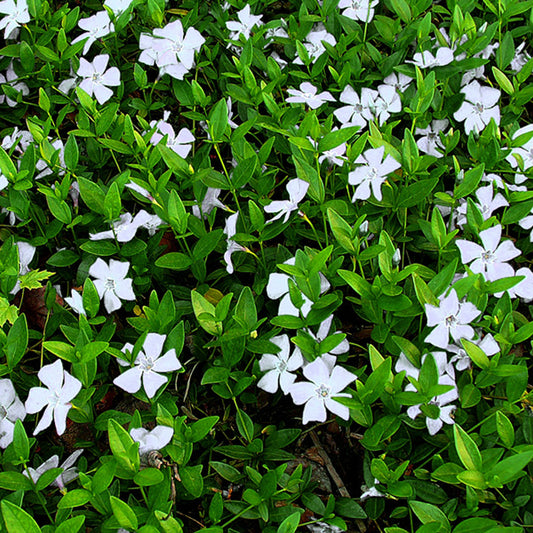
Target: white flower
111,283
44,167
26,252
362,10
488,203
324,332
358,111
23,138
321,390
461,359
373,173
426,59
180,143
479,106
520,58
430,140
153,440
175,49
70,472
450,318
524,152
21,87
491,258
297,189
209,202
523,289
124,229
388,102
308,95
313,44
76,302
17,13
399,81
99,25
278,367
230,230
11,410
60,389
434,424
246,23
97,79
149,363
118,6
138,189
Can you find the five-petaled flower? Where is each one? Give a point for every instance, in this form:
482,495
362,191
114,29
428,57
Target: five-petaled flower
373,173
70,472
450,318
278,367
489,259
97,79
149,363
308,95
11,410
321,390
246,23
479,107
297,189
17,13
99,25
61,388
362,10
111,283
154,440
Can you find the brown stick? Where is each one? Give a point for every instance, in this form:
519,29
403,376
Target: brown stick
343,491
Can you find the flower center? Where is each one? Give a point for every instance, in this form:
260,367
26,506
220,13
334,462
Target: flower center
177,47
307,96
281,366
487,257
96,77
322,391
451,321
373,173
110,284
479,108
147,364
358,108
53,400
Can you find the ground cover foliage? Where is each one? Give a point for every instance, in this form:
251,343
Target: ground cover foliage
266,266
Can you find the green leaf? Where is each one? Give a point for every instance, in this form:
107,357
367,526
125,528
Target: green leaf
112,203
121,443
523,334
206,244
33,279
124,514
202,427
226,471
74,498
423,292
90,298
245,425
63,258
192,480
72,525
427,513
174,261
357,283
218,121
290,524
17,520
15,481
505,429
17,341
503,81
92,195
507,469
336,138
470,182
402,10
466,449
148,477
416,193
21,443
6,165
475,353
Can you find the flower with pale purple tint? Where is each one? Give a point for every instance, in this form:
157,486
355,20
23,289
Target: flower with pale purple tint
279,367
320,391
